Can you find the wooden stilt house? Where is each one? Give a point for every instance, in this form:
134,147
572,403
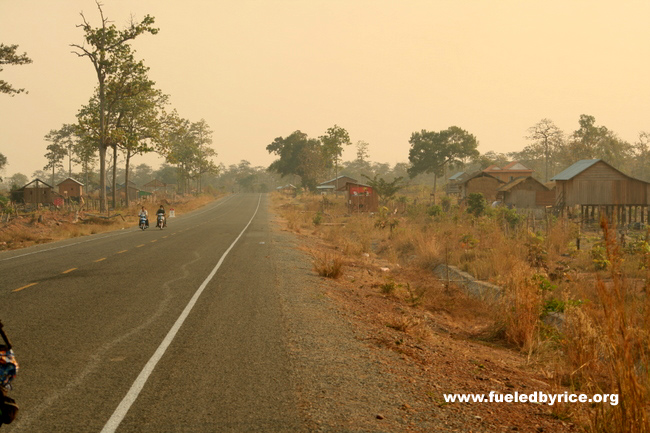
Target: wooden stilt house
597,188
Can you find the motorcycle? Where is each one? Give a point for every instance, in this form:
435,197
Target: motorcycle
143,222
8,370
161,221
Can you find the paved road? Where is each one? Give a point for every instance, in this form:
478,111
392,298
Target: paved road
154,331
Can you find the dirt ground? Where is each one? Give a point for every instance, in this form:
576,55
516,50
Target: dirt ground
439,350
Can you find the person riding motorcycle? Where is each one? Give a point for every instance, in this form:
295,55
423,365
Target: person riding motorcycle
145,214
161,211
8,369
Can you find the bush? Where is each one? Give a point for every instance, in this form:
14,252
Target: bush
476,204
434,210
326,266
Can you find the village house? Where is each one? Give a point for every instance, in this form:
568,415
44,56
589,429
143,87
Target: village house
480,182
70,188
509,172
132,189
453,183
155,186
526,193
596,187
288,189
360,197
37,191
336,184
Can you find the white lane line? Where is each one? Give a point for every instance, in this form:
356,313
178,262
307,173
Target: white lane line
130,397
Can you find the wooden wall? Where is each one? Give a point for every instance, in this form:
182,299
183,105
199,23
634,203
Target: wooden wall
602,185
485,185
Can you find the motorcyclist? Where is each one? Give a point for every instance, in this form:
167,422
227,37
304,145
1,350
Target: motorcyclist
8,370
145,214
161,211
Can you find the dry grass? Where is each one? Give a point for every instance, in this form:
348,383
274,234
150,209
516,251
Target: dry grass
608,349
603,345
327,265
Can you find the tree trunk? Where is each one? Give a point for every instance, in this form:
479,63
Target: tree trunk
126,176
114,181
103,201
435,187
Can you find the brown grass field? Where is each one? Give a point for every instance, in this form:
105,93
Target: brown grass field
580,318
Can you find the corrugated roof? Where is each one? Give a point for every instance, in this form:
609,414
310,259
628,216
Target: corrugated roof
69,178
575,169
457,175
479,174
508,186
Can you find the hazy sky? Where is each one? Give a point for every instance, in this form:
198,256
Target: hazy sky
256,70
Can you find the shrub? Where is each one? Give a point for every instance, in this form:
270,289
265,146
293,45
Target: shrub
327,266
476,204
434,210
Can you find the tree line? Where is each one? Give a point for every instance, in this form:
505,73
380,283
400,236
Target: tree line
126,115
435,154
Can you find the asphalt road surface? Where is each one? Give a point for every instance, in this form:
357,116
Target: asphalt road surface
174,330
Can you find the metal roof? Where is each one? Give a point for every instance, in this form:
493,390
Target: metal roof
575,169
508,186
457,175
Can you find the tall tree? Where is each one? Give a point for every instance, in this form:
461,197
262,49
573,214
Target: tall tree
641,166
202,160
104,46
3,163
299,155
590,141
18,180
65,139
333,141
362,151
431,151
55,155
8,56
546,139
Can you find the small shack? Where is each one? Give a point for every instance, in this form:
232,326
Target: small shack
525,193
132,189
288,189
155,186
453,183
37,191
480,182
360,197
510,171
336,184
70,188
599,188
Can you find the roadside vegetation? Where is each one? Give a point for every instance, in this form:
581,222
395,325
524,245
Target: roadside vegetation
579,316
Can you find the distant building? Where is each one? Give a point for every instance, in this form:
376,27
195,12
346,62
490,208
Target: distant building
37,191
132,189
480,182
453,183
287,189
155,186
71,188
336,184
596,186
510,171
360,197
526,193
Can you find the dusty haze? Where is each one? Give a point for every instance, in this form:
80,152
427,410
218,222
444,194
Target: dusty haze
255,70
